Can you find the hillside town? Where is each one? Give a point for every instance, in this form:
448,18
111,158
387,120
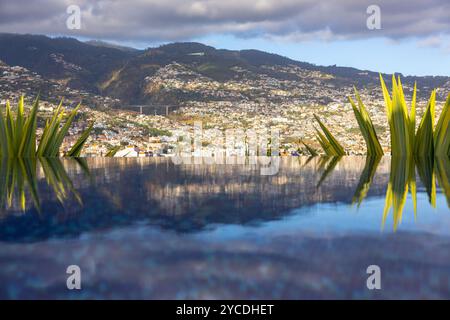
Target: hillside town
259,104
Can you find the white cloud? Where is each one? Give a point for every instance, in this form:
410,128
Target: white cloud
431,42
167,20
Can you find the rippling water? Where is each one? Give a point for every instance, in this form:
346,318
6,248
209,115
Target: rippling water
152,229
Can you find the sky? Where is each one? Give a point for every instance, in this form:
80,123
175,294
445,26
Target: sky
407,36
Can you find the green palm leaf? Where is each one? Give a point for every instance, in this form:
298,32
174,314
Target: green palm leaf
424,142
18,136
366,127
328,142
75,151
442,132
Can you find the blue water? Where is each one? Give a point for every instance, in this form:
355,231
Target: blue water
152,229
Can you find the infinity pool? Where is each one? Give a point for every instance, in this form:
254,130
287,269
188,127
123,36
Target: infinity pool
154,228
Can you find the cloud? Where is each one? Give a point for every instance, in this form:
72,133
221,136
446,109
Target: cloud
170,20
431,42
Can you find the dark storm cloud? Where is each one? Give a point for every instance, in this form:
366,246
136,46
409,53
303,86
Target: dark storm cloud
163,20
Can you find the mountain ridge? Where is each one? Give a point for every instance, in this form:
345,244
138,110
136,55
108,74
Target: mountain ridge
137,76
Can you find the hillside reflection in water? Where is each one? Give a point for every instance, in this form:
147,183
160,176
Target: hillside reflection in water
224,231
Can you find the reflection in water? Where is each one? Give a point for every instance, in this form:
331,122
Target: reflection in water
16,175
426,170
403,178
18,179
196,195
148,228
443,175
327,164
370,167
